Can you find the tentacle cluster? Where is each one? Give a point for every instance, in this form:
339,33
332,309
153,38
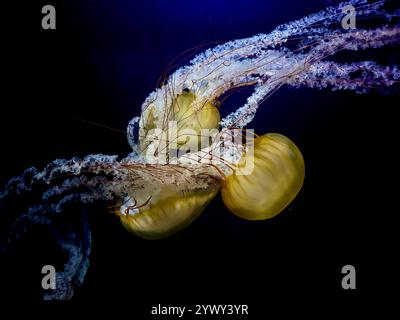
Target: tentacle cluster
268,61
149,191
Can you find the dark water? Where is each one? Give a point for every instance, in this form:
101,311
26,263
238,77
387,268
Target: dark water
101,63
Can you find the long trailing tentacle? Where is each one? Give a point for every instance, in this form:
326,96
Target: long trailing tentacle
309,65
59,169
73,240
268,61
357,76
77,247
69,181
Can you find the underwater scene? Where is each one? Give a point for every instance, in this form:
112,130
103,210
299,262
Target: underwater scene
186,159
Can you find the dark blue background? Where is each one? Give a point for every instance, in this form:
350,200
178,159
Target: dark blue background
101,63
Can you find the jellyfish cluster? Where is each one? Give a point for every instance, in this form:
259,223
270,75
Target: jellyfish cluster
184,153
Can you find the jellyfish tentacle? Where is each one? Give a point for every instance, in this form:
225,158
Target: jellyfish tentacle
157,197
19,184
359,76
75,243
310,65
77,246
61,169
267,61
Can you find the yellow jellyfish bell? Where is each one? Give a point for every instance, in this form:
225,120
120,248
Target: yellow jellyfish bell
191,114
275,180
169,213
162,209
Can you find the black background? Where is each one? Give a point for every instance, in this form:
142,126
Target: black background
100,64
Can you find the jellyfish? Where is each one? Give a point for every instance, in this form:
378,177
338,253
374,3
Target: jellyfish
184,153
